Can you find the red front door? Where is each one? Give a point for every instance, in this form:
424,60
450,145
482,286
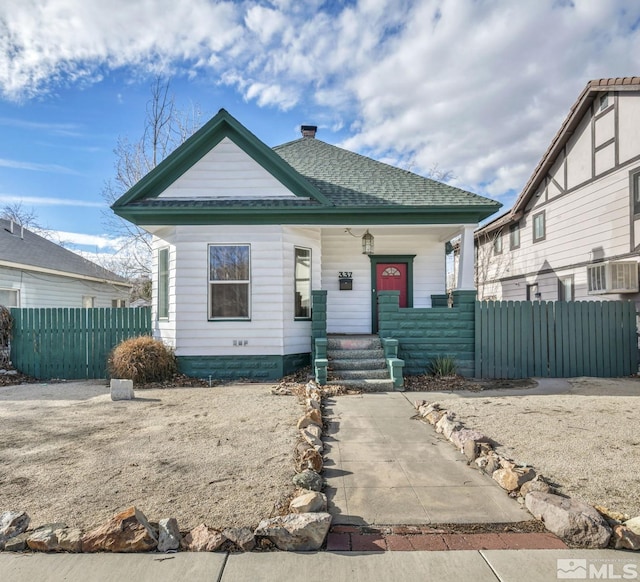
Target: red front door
392,277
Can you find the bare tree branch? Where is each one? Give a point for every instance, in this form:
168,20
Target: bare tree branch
165,128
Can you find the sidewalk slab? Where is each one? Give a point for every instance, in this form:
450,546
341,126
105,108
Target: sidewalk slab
546,565
192,566
355,567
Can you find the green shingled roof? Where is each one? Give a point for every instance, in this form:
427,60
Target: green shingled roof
349,179
332,185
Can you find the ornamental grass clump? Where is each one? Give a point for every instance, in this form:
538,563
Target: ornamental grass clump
142,359
442,367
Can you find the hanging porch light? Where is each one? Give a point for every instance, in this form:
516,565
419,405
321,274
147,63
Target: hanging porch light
367,243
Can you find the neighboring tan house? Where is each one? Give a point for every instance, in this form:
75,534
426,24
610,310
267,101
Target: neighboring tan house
35,272
574,231
243,233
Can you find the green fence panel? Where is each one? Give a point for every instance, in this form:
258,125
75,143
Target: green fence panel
72,343
556,339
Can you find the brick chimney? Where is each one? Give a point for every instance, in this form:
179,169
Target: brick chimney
308,130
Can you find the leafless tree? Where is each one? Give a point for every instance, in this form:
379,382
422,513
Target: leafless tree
165,128
21,215
493,261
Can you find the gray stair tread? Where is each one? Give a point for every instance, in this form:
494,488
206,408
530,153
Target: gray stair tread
358,364
380,374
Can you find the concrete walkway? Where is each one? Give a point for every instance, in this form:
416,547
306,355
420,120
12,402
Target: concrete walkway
461,566
382,467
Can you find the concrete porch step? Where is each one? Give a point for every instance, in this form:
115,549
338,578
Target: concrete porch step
358,364
379,374
372,354
353,342
366,385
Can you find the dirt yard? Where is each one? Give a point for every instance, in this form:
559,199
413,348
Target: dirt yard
586,439
221,456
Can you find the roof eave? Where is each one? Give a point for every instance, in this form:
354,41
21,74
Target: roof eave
571,122
333,215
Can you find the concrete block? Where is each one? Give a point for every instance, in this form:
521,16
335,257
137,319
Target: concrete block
122,389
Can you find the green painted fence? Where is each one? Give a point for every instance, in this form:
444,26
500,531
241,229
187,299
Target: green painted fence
72,343
521,339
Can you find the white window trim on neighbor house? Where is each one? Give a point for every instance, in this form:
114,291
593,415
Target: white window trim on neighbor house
245,313
9,292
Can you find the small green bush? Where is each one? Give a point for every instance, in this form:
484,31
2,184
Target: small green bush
142,359
442,366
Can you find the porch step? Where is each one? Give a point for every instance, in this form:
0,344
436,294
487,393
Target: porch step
353,342
358,362
355,355
379,374
367,385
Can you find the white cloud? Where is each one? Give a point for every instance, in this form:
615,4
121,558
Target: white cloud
478,88
35,167
47,201
85,240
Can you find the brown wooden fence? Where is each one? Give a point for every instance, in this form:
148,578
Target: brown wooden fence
72,343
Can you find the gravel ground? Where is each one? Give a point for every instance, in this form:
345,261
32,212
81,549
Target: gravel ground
221,456
587,440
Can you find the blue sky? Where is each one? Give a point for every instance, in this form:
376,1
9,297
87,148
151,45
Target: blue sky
475,87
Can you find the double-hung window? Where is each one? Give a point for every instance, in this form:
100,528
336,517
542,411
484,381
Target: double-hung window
229,281
539,227
514,236
302,283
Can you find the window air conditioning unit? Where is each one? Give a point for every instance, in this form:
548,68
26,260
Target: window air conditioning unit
612,277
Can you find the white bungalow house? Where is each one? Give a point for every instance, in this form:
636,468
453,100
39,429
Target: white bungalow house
244,233
574,231
36,272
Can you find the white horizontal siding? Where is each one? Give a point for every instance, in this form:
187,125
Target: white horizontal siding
350,311
46,290
590,223
226,172
195,334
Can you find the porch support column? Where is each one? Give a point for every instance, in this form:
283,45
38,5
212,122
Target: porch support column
467,260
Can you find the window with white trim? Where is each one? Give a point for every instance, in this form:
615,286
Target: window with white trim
229,281
302,283
163,283
10,297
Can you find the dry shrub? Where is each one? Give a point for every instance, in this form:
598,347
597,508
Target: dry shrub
142,359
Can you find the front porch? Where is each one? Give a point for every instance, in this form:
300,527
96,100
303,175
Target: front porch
410,338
